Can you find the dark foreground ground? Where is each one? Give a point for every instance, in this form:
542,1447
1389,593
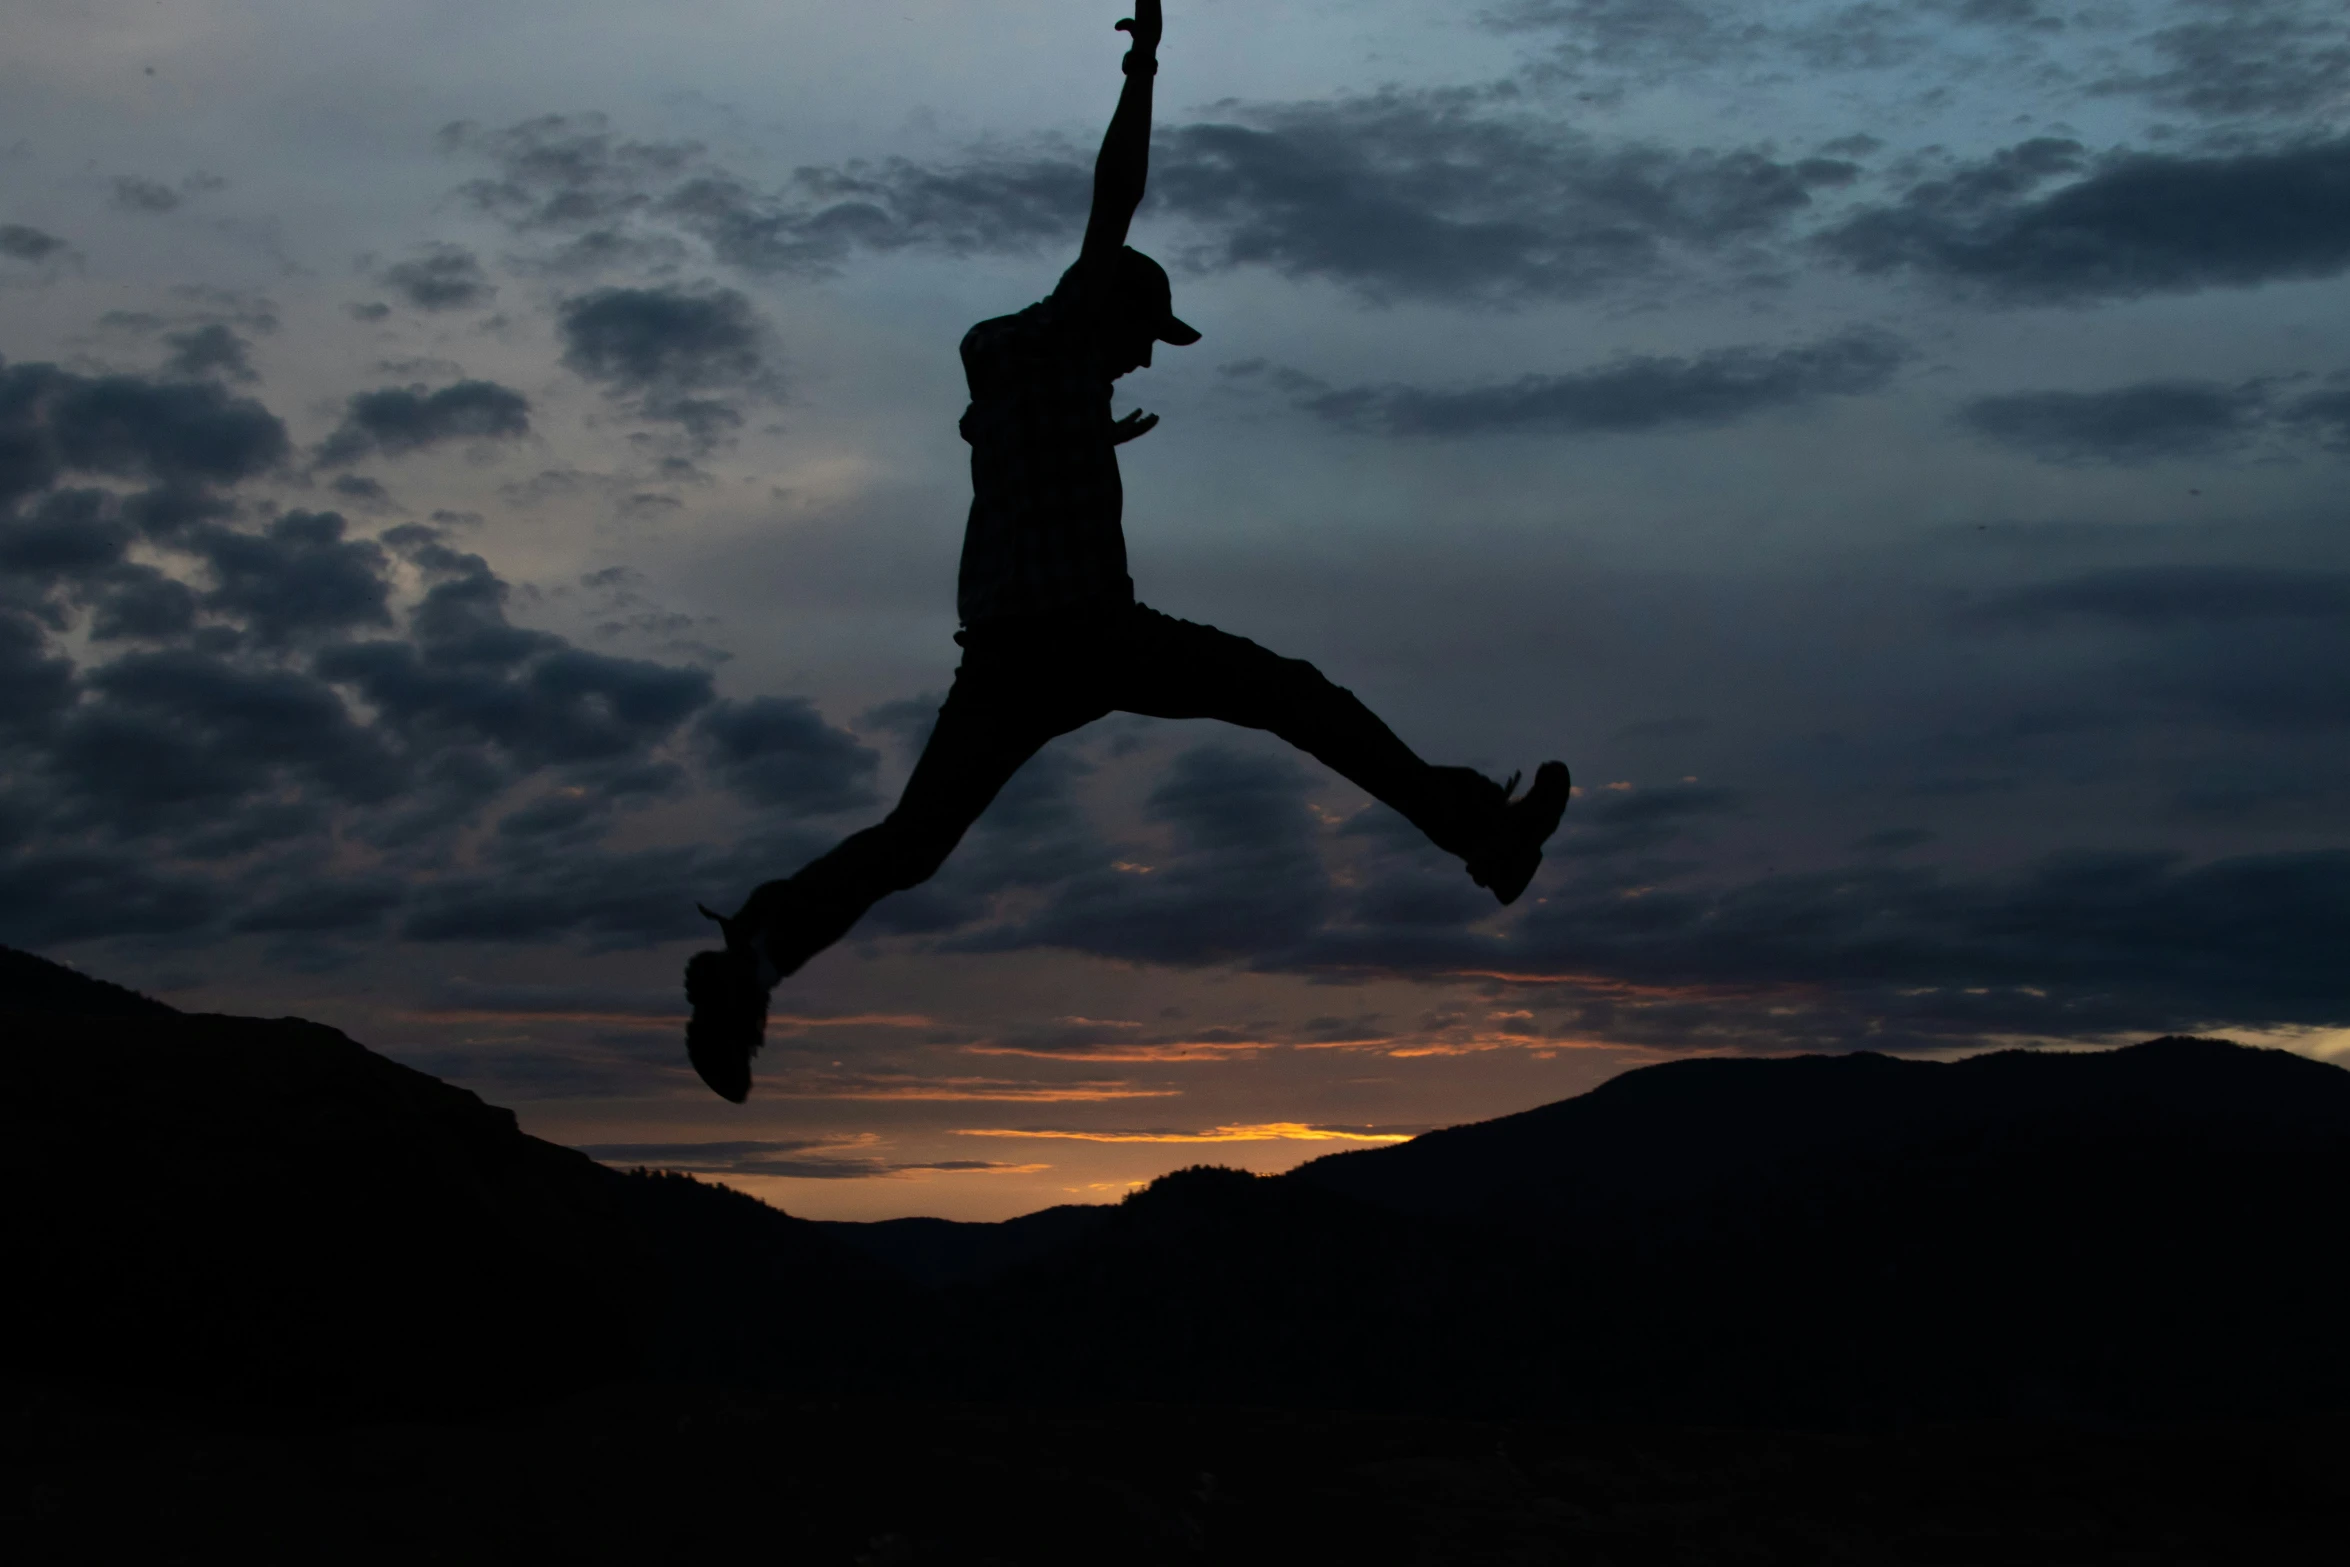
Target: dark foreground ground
667,1475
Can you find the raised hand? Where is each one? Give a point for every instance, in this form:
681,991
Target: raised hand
1136,423
1144,26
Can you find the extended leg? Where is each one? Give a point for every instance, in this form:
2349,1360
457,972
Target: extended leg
973,752
1003,708
1175,669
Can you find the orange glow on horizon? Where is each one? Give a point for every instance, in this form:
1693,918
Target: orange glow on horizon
1625,989
1265,1132
973,1088
1182,1050
662,1020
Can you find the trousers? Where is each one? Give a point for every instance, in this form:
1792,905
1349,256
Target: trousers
1024,682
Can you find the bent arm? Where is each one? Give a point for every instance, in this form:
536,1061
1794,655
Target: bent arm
1122,167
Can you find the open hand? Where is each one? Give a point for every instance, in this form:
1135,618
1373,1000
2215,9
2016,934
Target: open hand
1144,26
1135,423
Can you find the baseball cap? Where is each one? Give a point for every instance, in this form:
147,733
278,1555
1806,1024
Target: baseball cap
1142,283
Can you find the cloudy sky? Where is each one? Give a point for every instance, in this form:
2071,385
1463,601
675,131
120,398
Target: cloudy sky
478,478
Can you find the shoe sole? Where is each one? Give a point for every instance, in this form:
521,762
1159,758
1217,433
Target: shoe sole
728,1024
1532,820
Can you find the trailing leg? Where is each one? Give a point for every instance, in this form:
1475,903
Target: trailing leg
1182,670
990,725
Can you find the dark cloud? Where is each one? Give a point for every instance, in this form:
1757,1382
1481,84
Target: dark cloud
2154,421
566,171
36,684
2151,421
2255,659
668,349
138,602
1892,840
1627,32
619,198
807,1159
2280,59
397,419
445,277
722,1155
2323,415
68,533
245,720
1006,202
2131,224
1634,393
186,432
2157,598
1034,835
1602,43
465,678
210,349
133,193
299,576
1681,728
1612,821
1434,194
778,751
907,719
564,814
361,491
639,339
1242,874
537,892
49,896
24,243
536,697
176,738
2074,946
309,905
2111,941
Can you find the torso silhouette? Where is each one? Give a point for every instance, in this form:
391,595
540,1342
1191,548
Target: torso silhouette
1044,533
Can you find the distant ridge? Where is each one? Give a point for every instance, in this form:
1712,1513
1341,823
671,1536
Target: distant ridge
1669,1132
35,984
2148,1233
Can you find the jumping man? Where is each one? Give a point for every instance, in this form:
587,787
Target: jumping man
1053,638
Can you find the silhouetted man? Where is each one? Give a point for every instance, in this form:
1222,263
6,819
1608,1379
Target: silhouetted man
1053,638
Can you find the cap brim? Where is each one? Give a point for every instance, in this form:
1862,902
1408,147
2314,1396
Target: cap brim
1181,334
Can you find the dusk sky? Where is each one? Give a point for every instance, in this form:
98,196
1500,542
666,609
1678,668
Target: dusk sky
477,479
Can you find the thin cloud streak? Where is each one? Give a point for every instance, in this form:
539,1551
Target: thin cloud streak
665,1020
1266,1132
948,1090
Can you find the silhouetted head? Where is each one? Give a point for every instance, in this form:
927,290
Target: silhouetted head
1145,312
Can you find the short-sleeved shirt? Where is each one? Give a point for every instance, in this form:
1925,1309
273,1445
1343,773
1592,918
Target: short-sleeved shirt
1045,532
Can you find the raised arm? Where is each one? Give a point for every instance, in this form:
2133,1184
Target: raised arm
1124,162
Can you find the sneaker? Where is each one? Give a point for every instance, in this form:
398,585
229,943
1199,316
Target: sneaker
729,1020
1514,852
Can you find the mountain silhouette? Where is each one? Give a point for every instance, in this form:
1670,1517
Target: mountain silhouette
1667,1134
754,1297
31,984
939,1253
264,1209
1828,1241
